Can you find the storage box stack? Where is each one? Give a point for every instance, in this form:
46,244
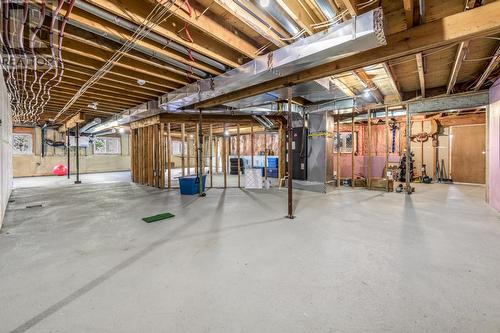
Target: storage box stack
272,167
234,166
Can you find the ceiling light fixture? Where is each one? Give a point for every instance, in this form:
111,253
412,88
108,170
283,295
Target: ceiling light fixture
366,93
264,3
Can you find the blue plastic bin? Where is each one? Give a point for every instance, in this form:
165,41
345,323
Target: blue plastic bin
189,185
272,162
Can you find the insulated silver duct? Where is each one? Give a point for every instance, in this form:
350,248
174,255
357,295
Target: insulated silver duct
345,39
152,35
141,49
89,125
326,8
282,17
359,34
111,131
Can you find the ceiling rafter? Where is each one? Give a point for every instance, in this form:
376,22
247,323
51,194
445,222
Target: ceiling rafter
136,12
421,73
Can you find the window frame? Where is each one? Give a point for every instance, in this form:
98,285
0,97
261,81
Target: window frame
30,145
106,145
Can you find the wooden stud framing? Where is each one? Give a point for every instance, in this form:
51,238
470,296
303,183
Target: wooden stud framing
183,149
224,158
238,154
211,154
282,152
217,154
252,143
265,154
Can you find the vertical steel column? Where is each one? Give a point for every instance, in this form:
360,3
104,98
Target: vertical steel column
77,181
353,180
408,149
69,155
290,156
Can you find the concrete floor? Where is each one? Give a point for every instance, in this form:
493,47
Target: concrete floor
113,177
352,261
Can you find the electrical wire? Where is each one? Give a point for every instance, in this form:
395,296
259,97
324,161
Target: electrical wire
159,14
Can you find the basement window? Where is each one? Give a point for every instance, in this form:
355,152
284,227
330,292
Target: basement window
107,146
346,143
22,144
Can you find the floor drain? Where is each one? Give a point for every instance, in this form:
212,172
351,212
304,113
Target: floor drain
34,206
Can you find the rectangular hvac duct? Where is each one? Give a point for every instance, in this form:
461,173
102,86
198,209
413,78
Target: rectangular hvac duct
345,39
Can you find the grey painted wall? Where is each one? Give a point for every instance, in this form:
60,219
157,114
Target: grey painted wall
5,149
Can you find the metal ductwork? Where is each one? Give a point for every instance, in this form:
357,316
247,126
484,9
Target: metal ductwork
265,122
282,17
326,8
257,17
94,10
89,125
345,39
111,131
141,49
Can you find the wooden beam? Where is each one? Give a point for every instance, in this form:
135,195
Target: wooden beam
495,60
351,7
462,51
146,122
409,8
421,75
251,21
298,15
374,90
207,25
78,118
393,80
481,21
137,11
169,157
238,154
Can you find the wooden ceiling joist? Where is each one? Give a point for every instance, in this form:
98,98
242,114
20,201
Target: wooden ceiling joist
409,8
393,80
495,60
421,73
457,65
251,21
209,26
369,84
137,11
296,12
351,7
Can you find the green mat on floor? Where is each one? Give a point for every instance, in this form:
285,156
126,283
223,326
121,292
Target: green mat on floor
158,217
